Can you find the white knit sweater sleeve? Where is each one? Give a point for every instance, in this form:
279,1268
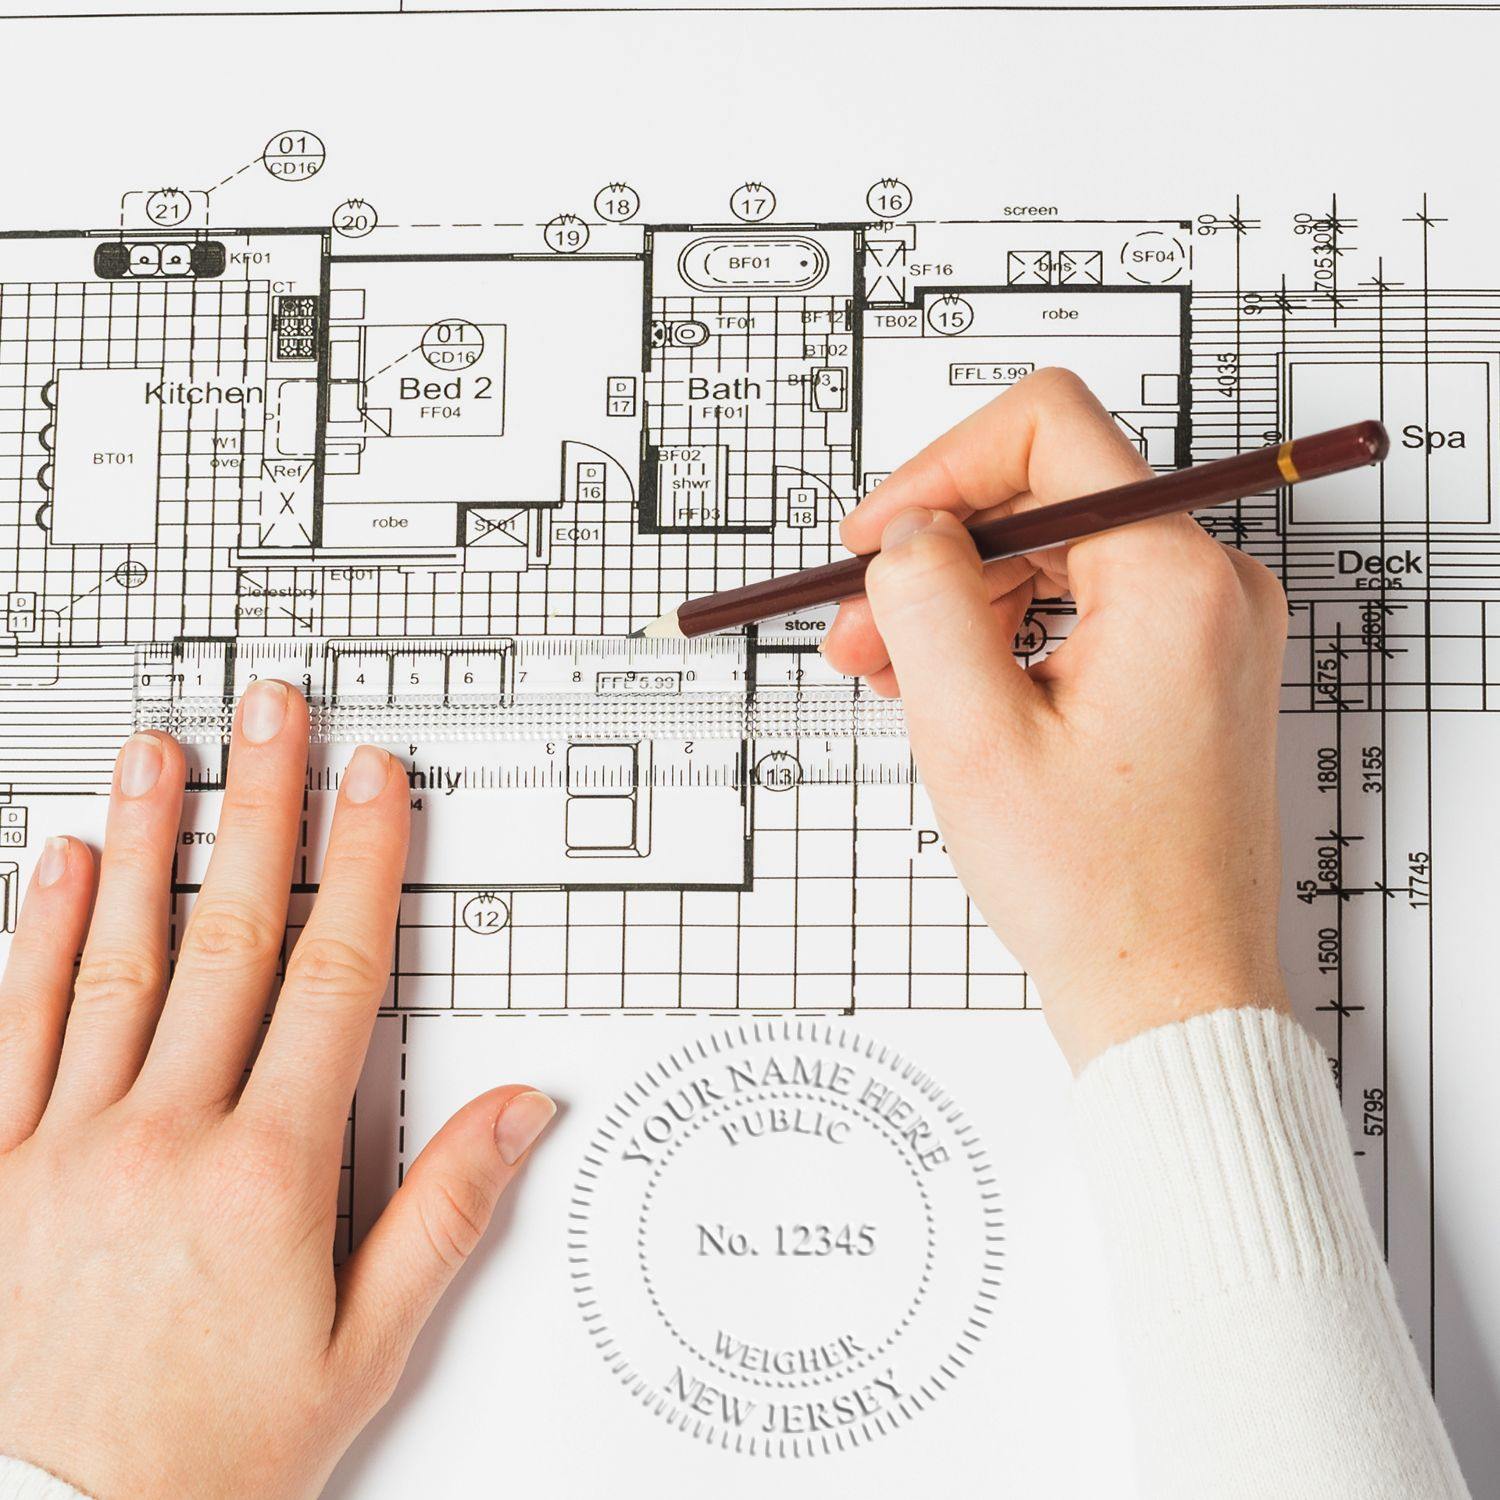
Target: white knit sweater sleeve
20,1481
1263,1347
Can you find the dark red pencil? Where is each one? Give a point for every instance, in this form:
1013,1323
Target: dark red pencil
1032,531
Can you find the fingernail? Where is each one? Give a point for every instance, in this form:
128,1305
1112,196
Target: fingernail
263,711
905,526
140,765
54,860
366,774
520,1123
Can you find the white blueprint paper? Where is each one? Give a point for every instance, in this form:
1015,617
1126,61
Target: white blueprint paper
421,358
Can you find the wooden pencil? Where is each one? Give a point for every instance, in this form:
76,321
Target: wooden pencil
1194,488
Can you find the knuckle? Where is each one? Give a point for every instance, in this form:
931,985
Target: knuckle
1266,593
1213,583
331,968
912,568
365,863
223,933
1058,382
454,1212
262,1154
1278,618
115,981
143,1144
248,808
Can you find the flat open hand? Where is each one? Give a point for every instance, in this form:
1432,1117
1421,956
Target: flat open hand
172,1321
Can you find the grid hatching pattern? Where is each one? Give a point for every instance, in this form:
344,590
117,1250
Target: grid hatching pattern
189,331
746,390
817,930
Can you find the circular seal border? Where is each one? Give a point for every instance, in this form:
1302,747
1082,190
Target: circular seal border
706,1049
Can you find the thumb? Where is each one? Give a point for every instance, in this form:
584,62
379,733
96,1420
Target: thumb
390,1285
961,686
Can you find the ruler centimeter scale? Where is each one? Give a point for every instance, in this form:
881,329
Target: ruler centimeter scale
514,688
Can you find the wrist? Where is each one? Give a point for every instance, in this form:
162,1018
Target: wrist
1118,1002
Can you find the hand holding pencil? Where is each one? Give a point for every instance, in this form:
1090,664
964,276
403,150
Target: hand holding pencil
1018,532
1111,808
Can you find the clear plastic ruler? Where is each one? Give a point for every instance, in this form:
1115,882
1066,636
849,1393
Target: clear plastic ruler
515,688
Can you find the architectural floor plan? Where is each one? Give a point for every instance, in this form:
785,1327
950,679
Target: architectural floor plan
318,398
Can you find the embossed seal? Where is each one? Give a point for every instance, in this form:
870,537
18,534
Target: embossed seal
785,1238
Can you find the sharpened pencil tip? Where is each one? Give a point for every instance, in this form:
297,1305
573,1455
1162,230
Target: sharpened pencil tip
663,628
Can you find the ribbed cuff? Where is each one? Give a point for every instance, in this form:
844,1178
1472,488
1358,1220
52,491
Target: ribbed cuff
1219,1158
21,1481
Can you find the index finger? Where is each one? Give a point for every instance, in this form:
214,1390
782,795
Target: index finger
338,970
1045,439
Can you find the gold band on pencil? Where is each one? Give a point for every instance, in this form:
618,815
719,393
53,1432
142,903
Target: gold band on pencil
1285,464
